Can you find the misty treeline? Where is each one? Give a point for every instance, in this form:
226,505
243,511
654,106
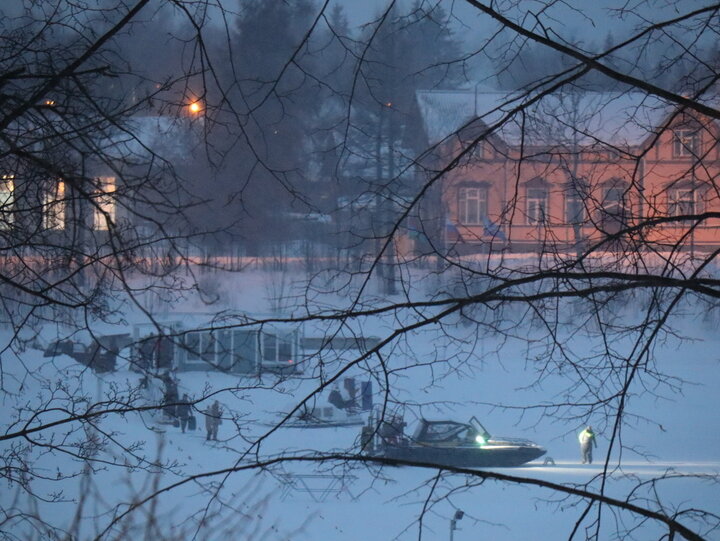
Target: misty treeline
306,137
303,114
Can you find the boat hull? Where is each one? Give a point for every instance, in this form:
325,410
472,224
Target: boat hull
465,456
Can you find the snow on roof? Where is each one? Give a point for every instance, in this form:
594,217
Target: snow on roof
617,118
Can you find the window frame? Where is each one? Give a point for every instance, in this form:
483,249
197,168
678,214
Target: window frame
7,201
280,344
54,207
580,215
536,206
269,342
675,203
686,143
615,205
192,347
479,203
104,205
613,208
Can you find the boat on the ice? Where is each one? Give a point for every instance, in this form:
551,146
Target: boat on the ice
447,443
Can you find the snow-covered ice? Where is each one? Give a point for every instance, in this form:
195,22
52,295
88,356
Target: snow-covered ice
677,436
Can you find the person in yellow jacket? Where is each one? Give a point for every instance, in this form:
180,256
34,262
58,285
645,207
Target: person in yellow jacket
587,442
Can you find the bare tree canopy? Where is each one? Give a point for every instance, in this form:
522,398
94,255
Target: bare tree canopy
269,269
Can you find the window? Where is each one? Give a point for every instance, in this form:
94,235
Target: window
536,205
200,346
681,201
192,346
277,348
104,203
574,208
245,348
613,196
269,347
54,207
285,352
480,152
7,200
227,350
686,143
613,213
208,342
472,205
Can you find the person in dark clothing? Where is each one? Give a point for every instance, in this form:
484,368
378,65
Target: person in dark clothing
183,411
213,418
171,395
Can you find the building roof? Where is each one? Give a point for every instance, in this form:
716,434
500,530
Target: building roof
572,117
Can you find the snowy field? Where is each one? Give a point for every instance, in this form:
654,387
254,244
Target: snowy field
673,432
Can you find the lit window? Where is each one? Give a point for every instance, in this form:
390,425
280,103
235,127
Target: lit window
536,205
472,205
686,143
681,201
54,206
7,200
104,203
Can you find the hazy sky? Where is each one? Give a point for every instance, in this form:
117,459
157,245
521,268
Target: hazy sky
589,19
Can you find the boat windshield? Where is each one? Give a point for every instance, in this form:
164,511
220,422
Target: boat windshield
479,428
443,431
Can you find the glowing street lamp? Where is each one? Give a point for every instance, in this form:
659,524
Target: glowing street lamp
195,107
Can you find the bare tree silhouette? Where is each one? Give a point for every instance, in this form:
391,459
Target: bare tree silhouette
153,154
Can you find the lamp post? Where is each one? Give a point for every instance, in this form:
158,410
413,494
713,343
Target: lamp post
80,219
453,522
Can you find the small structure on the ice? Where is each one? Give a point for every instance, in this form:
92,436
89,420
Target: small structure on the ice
345,407
100,354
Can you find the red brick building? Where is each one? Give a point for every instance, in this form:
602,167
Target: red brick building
574,170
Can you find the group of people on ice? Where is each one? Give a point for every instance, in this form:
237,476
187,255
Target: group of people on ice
186,419
179,411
